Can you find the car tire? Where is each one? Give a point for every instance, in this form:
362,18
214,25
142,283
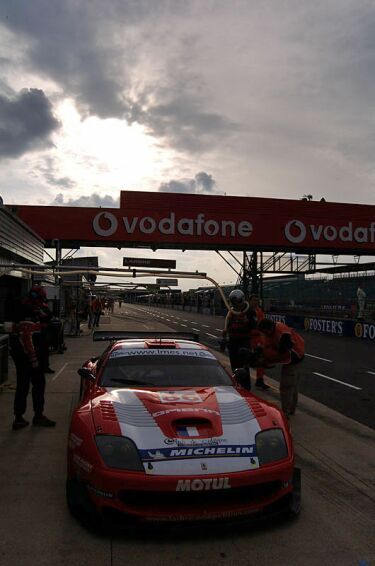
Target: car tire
294,500
75,495
80,504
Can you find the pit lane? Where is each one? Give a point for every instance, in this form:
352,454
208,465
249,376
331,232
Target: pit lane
338,371
336,454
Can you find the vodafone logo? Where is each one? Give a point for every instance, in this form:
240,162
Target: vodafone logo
296,232
105,224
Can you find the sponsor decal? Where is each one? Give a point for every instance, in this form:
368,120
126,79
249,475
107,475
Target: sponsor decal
99,492
162,352
205,484
199,451
82,463
296,232
277,317
74,441
192,442
185,410
206,517
180,397
322,325
364,330
106,224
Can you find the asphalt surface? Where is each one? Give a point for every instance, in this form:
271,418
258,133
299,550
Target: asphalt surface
337,371
336,455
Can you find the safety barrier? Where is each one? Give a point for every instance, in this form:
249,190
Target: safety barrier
324,325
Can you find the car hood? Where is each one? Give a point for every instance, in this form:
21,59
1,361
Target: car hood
184,431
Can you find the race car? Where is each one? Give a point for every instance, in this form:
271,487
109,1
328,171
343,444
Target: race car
163,432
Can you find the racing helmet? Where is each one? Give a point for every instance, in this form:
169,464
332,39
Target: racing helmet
237,298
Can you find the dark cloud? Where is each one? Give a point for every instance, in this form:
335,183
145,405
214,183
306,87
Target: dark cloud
187,126
95,52
26,122
94,200
203,183
83,46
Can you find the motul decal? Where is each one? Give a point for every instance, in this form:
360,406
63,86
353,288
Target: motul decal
204,484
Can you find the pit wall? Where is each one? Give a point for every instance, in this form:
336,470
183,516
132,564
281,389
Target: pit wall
336,327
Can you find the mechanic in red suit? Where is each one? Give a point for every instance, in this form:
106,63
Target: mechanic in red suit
283,345
25,348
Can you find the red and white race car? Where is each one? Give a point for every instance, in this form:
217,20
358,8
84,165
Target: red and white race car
163,433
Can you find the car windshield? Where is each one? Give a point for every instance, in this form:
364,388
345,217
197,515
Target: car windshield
163,371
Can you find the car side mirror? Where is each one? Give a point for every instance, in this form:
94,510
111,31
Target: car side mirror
85,373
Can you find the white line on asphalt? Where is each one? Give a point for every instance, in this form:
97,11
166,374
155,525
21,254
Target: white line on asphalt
371,372
337,381
195,329
206,325
194,322
58,373
168,319
318,358
219,329
213,336
183,324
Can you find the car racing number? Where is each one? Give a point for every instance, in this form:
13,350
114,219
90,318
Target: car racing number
179,397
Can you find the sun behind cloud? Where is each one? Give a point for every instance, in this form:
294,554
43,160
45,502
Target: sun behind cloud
109,153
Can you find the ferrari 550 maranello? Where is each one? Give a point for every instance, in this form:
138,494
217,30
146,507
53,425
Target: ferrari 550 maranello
163,432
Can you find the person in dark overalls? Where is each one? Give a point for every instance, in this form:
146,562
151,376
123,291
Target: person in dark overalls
28,356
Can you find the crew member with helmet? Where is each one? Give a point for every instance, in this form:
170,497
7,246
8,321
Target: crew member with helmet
238,325
256,339
283,345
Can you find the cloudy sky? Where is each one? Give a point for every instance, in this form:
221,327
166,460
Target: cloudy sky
248,98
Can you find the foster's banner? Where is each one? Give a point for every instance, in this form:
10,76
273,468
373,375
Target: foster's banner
175,220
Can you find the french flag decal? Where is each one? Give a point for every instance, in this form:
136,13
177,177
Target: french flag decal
187,431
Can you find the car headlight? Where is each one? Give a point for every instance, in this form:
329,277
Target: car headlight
119,452
271,446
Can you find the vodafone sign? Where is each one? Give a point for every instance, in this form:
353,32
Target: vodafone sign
183,221
198,226
297,232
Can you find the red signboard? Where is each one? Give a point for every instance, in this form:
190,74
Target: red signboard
184,221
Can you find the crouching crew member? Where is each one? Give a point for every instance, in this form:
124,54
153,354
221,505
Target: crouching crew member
283,345
238,325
